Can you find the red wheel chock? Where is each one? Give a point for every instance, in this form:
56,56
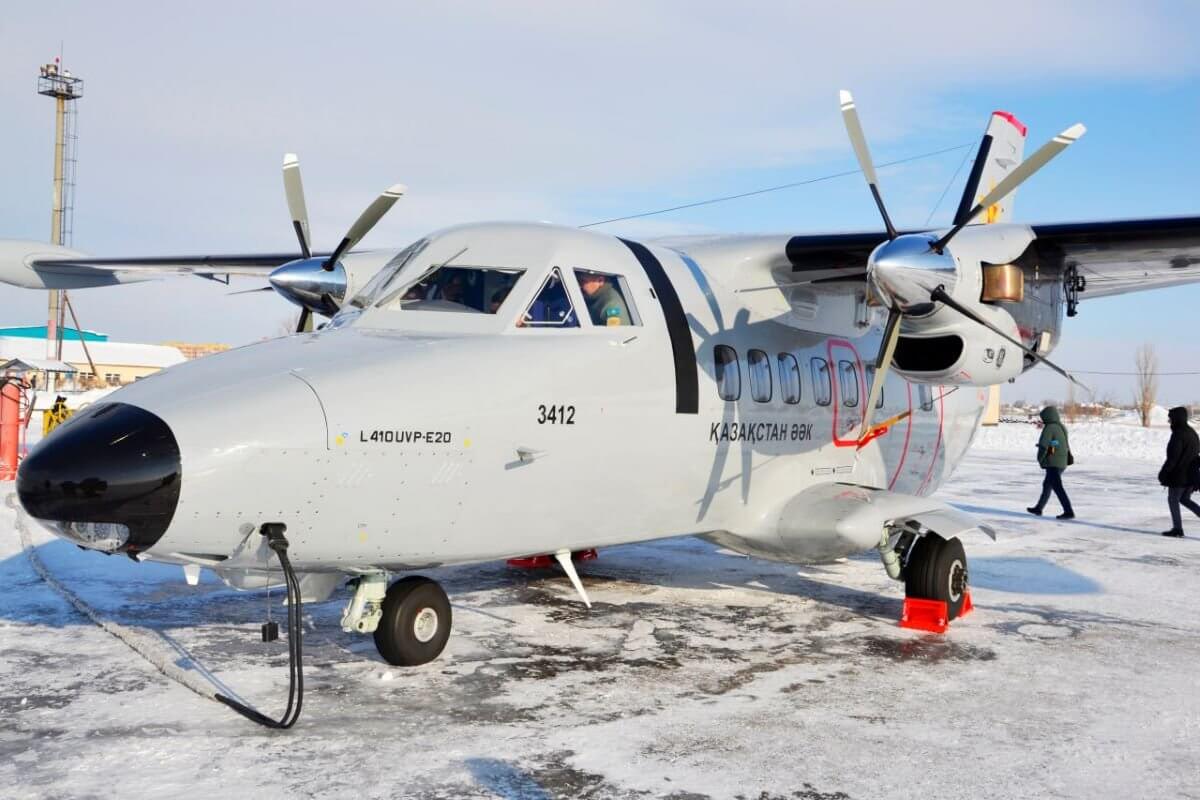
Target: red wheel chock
930,615
547,561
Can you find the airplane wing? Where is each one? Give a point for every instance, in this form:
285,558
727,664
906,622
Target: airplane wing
39,265
258,264
1124,256
1115,257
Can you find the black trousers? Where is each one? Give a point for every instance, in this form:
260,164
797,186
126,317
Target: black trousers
1177,496
1052,482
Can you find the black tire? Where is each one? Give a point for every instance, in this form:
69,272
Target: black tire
411,606
937,570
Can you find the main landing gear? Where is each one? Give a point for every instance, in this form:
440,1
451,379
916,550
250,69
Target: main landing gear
410,619
934,571
937,570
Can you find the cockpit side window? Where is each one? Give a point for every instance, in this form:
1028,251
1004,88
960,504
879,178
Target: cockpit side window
609,301
551,308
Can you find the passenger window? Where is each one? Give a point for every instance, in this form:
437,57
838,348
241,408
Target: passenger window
607,298
727,373
789,378
551,308
925,393
759,365
848,383
870,383
822,385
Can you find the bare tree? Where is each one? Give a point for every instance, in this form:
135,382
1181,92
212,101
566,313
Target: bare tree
1146,365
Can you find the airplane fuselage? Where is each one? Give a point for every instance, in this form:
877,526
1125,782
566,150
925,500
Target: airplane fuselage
398,438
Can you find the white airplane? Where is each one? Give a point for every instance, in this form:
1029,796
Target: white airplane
499,390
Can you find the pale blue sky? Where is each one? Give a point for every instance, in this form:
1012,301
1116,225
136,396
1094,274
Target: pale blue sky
578,112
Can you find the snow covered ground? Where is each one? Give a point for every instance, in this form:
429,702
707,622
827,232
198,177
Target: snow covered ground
697,673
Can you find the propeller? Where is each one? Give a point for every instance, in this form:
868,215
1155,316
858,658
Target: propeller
903,268
318,284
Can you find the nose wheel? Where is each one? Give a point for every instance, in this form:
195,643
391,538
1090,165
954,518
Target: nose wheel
415,622
937,570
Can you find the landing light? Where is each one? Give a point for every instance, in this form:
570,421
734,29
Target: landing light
107,537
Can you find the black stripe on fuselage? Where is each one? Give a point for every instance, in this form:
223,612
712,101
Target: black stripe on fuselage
687,382
968,196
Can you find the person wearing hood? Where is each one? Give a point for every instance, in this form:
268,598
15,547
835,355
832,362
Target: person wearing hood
1054,456
1180,473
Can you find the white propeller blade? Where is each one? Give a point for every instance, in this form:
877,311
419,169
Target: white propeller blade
294,189
891,335
859,142
366,220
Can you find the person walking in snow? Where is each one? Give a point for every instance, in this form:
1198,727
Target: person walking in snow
1054,456
1180,473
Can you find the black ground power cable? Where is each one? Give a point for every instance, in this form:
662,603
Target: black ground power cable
279,543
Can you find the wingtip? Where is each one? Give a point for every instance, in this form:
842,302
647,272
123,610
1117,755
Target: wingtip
845,98
397,189
290,160
1075,131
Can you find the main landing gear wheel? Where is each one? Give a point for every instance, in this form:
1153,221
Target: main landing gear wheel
415,624
937,570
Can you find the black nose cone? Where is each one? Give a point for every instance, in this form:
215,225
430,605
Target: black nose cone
108,478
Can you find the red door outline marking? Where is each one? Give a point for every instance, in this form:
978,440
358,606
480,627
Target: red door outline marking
937,444
907,437
836,386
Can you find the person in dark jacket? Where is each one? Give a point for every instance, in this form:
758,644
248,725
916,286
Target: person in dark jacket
1179,471
1054,456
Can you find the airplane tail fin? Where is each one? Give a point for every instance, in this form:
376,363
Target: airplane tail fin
1001,150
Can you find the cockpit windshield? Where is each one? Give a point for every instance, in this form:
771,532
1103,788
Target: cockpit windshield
478,289
386,277
440,286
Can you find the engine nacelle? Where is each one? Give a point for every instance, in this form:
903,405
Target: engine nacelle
946,348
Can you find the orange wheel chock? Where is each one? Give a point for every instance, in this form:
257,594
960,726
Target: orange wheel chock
930,615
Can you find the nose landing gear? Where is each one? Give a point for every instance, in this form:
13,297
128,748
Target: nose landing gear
410,619
415,624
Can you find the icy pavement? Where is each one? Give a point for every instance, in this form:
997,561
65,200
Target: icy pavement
697,673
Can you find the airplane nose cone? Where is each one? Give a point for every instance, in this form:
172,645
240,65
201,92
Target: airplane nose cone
107,479
309,285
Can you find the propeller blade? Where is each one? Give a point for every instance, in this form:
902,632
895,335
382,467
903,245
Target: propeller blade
859,141
305,323
939,295
883,363
1023,172
250,291
362,226
294,190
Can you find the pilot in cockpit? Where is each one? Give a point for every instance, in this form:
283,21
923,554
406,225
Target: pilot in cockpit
604,302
